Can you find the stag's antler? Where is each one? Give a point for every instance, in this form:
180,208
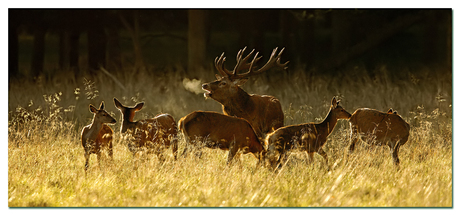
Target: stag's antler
219,63
242,64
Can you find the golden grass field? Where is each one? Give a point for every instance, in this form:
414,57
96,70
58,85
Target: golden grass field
46,162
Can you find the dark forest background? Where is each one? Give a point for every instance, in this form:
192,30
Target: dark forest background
43,43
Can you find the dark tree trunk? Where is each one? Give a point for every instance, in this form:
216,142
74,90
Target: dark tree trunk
134,31
74,38
251,34
197,34
448,45
13,51
96,48
430,38
63,49
288,35
341,30
38,53
307,40
113,50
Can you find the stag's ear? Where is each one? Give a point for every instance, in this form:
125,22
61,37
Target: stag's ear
240,82
218,77
139,106
101,107
92,108
334,102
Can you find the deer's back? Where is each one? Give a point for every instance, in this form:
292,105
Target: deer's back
161,128
290,136
218,128
167,123
381,125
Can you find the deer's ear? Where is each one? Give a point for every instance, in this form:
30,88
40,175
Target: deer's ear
117,103
92,108
218,77
139,106
240,82
334,102
390,111
101,107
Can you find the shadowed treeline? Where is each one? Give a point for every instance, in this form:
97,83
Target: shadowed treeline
320,41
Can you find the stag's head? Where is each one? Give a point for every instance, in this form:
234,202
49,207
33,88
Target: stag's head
228,82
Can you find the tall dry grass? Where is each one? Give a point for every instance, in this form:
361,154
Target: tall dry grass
46,162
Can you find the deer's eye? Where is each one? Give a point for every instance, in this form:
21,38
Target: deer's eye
222,83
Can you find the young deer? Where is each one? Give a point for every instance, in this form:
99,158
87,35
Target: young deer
264,112
309,137
97,135
216,130
153,135
379,128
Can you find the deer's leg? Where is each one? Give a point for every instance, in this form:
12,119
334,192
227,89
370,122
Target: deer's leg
111,150
135,160
161,157
394,152
270,158
323,153
232,152
159,152
353,139
261,158
281,160
99,159
278,163
199,147
311,158
184,153
174,147
86,161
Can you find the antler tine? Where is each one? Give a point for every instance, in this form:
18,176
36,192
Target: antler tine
240,53
254,61
219,64
241,63
270,63
278,61
273,61
251,66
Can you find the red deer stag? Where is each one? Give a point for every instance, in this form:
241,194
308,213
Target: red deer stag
216,130
309,137
153,135
263,112
379,128
97,135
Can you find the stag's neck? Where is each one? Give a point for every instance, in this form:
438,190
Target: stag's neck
328,123
238,103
